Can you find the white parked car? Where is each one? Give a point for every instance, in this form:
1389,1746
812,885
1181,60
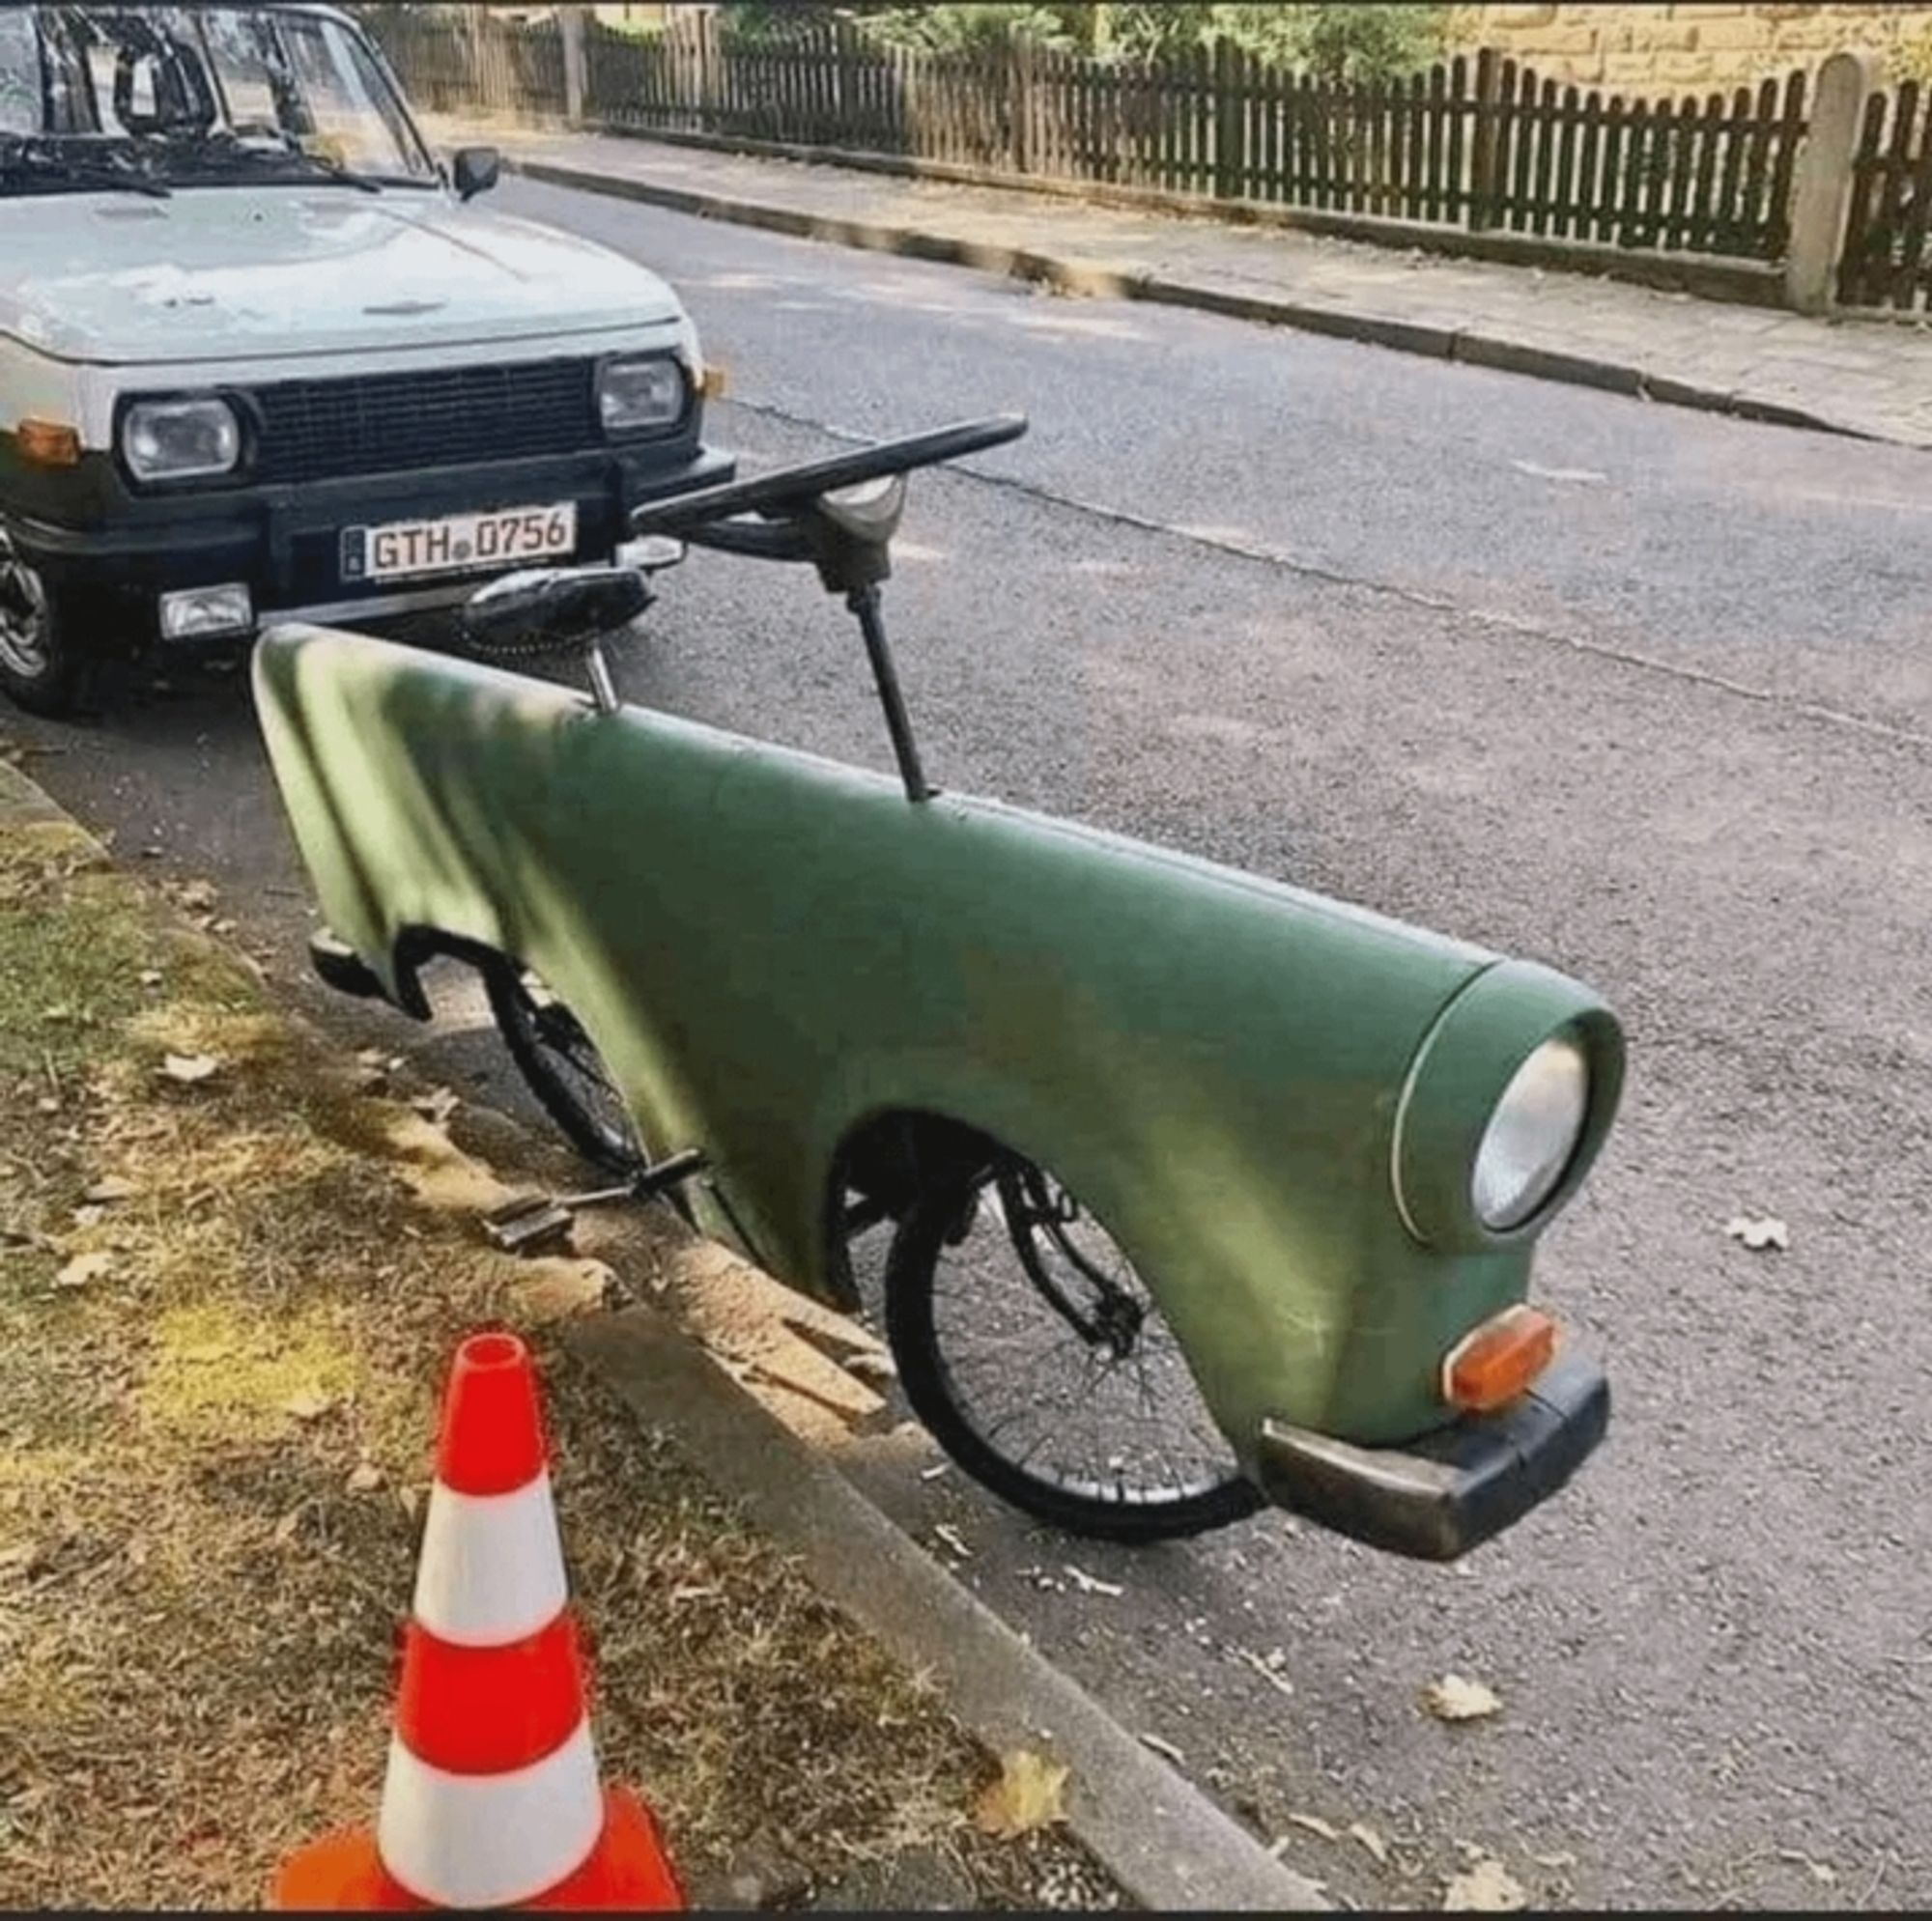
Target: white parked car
261,354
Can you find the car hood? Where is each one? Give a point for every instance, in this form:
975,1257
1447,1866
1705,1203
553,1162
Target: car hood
219,273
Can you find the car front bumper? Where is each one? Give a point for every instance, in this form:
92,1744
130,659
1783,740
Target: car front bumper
285,543
1443,1495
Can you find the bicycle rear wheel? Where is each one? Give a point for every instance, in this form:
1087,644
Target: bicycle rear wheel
563,1068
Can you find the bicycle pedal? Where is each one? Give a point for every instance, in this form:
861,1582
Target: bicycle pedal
527,1223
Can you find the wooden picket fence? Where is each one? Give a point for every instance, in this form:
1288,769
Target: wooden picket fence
1476,143
1482,143
471,59
1887,261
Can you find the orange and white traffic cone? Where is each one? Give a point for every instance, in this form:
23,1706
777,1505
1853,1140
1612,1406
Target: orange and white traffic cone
491,1796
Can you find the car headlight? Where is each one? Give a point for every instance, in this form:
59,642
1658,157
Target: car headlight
1509,1094
637,396
181,439
1532,1133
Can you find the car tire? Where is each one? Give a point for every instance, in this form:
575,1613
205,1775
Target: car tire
43,670
946,1216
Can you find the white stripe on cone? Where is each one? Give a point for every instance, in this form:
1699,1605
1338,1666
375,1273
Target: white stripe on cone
489,1840
492,1567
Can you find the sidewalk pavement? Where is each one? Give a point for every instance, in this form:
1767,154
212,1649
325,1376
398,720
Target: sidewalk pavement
1866,376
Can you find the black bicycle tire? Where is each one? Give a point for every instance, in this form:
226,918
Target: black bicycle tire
502,982
913,1333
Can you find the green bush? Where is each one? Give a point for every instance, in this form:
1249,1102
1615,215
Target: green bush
1913,59
964,24
1338,40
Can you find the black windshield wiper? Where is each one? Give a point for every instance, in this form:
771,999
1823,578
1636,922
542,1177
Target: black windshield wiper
45,164
285,159
334,170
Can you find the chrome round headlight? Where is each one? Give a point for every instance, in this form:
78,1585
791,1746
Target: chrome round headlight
1531,1136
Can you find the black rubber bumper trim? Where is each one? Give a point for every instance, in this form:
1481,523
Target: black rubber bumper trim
1439,1496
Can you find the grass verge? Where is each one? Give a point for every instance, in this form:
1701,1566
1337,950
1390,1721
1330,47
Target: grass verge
230,1281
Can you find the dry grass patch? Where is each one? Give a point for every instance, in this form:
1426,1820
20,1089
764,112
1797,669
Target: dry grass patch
226,1300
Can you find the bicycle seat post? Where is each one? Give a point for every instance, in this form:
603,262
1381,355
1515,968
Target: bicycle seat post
863,601
603,689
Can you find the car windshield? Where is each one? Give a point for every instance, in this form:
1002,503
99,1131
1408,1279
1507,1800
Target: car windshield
152,98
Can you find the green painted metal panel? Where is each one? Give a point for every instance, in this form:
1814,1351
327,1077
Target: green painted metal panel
769,949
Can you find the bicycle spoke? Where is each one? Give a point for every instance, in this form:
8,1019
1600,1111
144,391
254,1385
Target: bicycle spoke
1097,1401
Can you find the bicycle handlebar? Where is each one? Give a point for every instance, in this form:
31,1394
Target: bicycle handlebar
791,488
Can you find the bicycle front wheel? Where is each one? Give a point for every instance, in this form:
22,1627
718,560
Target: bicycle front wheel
1033,1350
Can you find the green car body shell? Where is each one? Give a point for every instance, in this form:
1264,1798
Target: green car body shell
1271,1099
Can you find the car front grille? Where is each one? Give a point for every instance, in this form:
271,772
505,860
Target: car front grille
382,423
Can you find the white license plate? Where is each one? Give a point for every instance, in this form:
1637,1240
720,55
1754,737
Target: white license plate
461,543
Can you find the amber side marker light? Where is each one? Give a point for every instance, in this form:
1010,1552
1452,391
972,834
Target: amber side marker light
1494,1363
49,443
713,383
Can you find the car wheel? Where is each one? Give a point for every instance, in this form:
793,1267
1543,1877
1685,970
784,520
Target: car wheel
1028,1344
40,668
563,1068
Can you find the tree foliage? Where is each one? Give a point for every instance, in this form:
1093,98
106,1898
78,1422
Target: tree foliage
1337,39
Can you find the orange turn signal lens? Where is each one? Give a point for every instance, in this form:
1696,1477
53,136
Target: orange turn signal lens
711,385
1494,1363
49,443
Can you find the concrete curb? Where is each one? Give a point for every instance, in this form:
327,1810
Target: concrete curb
1167,1844
23,802
1098,278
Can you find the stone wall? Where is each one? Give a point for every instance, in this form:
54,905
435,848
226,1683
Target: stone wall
1694,44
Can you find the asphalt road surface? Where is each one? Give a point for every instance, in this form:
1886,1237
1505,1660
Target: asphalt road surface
1637,692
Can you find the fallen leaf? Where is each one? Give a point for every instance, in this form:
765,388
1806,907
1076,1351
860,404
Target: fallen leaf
151,977
1821,1872
83,1268
310,1404
1269,1669
1766,1231
437,1105
1315,1825
222,927
366,1477
285,1528
410,1500
1088,1585
1486,1888
1161,1747
88,1216
1587,476
1030,1794
196,893
1454,1699
111,1187
189,1067
562,1288
1360,1830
